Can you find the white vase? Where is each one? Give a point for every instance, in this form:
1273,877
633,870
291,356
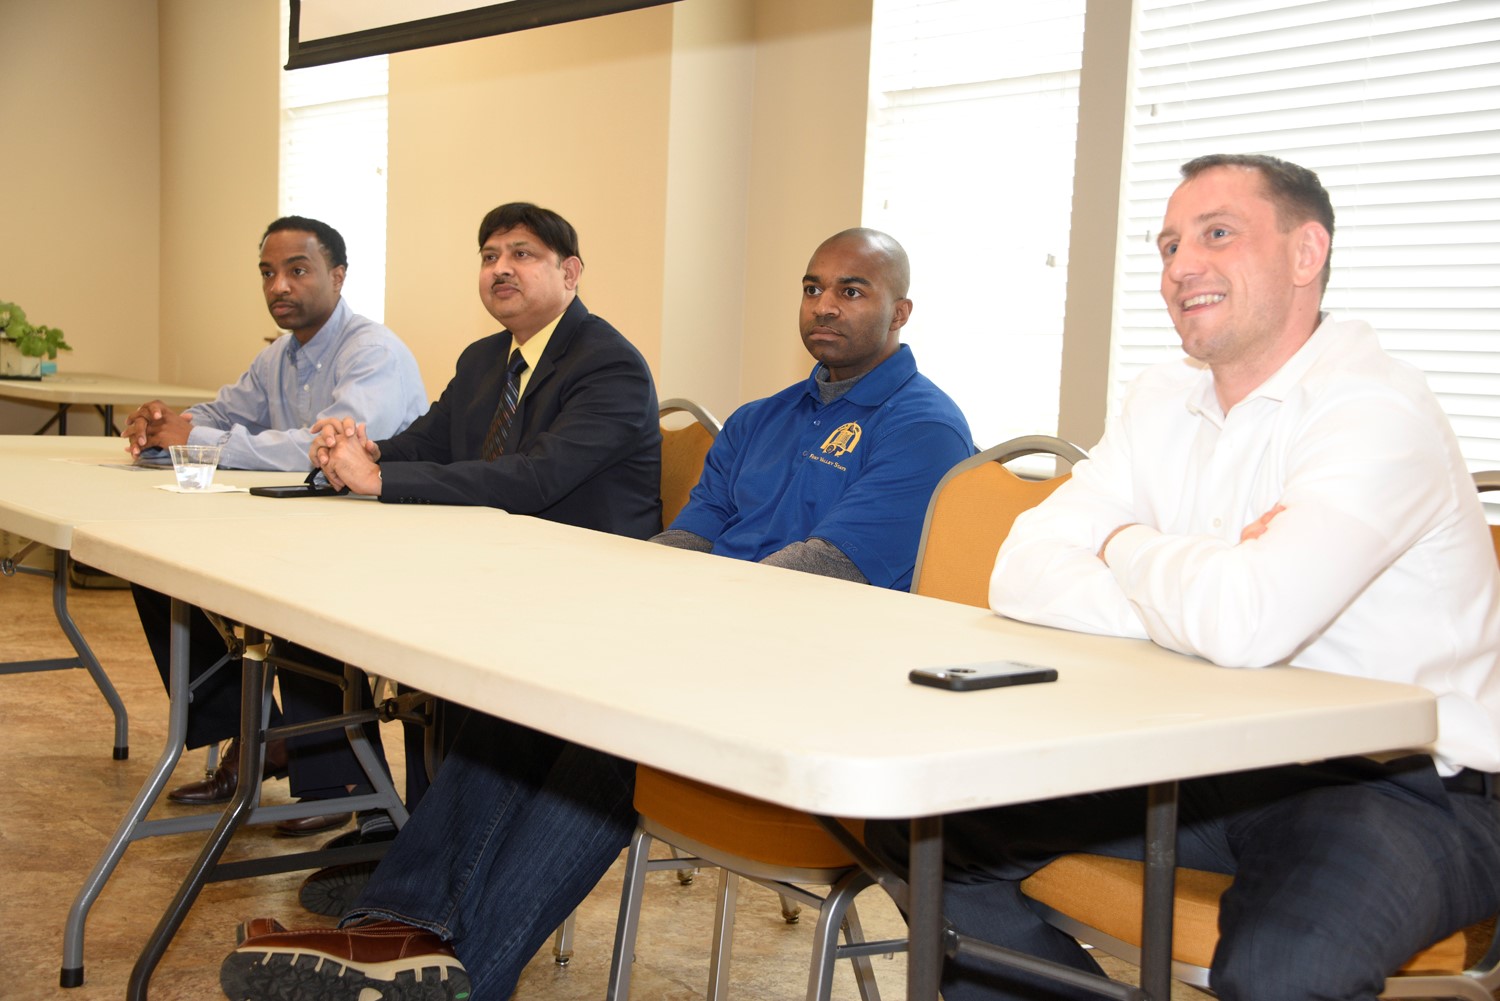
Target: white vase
15,365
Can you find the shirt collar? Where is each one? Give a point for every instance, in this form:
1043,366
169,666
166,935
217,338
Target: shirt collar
325,341
537,343
877,384
1203,402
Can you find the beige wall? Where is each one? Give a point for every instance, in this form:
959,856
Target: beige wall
572,117
702,148
811,104
79,243
221,122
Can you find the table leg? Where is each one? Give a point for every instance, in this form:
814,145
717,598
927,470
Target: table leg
1161,872
924,957
84,656
134,819
252,700
57,418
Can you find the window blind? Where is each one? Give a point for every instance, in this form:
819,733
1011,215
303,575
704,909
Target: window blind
1396,105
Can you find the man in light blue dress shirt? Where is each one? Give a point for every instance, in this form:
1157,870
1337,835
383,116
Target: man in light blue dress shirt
332,362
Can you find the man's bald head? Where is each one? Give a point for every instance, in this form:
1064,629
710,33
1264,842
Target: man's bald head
882,246
854,301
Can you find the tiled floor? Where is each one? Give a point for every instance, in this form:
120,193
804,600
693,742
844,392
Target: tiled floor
63,795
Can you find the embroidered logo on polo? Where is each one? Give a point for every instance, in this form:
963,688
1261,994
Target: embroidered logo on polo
845,439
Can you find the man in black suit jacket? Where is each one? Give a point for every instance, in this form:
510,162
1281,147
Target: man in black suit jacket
584,445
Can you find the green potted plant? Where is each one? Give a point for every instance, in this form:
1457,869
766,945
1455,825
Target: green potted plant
23,345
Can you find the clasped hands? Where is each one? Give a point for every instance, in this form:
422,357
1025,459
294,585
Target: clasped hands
345,455
155,425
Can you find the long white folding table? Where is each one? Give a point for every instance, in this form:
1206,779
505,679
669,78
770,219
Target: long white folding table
64,389
602,640
49,488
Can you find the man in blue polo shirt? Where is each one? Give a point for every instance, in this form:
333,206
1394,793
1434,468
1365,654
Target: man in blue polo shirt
831,476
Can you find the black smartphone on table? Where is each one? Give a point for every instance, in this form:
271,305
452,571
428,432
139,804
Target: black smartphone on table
986,674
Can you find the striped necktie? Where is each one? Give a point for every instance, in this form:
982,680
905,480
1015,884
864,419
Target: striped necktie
494,441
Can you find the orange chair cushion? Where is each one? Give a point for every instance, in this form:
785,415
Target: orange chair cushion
970,519
749,828
1105,893
682,453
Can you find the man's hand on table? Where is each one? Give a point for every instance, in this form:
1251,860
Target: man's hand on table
155,425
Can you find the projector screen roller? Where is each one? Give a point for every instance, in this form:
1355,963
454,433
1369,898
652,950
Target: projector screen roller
329,31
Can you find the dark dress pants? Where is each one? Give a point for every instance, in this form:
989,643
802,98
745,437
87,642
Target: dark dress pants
1343,871
322,765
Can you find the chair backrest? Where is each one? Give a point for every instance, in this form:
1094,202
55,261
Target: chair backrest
971,512
1486,481
682,452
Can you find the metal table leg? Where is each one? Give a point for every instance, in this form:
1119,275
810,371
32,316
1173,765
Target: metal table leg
134,819
1157,897
252,750
924,957
84,657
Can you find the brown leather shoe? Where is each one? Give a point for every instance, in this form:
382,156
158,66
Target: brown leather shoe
386,958
304,826
220,786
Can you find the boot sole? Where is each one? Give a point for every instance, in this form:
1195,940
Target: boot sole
313,976
332,892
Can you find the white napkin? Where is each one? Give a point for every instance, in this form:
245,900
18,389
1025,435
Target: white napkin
213,488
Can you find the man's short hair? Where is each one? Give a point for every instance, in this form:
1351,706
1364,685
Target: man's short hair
328,238
552,229
1297,193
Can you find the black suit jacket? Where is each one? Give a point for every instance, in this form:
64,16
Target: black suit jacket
584,447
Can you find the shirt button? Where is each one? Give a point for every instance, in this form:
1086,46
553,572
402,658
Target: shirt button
1218,523
306,387
319,366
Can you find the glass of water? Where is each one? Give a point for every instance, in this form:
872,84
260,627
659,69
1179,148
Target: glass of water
194,465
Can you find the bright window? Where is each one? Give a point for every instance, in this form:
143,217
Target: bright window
333,164
969,164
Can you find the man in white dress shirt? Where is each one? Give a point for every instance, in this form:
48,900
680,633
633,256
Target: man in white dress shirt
1286,494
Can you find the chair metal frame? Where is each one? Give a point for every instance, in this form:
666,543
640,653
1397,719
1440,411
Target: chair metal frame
836,912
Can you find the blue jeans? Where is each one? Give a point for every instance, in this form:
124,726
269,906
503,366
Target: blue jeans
1343,871
516,830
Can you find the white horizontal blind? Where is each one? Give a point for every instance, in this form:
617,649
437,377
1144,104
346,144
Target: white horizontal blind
969,163
1396,105
333,164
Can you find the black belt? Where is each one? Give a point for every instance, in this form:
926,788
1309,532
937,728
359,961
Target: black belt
1471,780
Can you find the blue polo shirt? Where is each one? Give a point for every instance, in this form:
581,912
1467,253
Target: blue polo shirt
857,472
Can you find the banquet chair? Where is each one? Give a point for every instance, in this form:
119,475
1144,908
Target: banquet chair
683,449
971,513
1098,901
785,849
